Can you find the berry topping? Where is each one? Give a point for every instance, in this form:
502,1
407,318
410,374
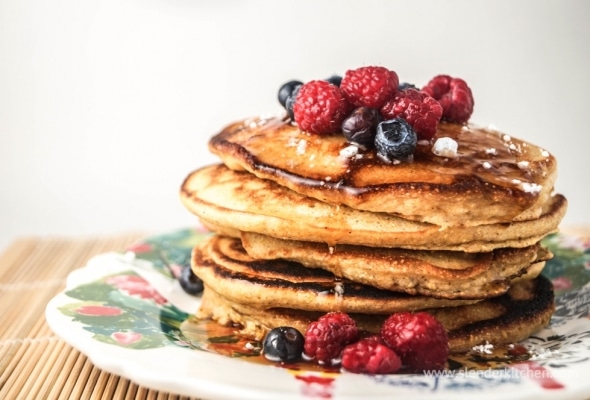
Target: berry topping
419,339
406,85
290,102
189,282
369,356
335,80
454,96
395,139
369,86
320,107
421,111
360,126
286,90
326,337
283,344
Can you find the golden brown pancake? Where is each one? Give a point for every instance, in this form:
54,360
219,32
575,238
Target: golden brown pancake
526,308
495,178
441,274
225,267
232,201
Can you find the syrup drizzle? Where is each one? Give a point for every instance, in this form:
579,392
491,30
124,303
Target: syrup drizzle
207,335
316,161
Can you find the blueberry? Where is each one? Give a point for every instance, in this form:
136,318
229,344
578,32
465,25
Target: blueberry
335,80
283,344
395,139
189,282
291,101
406,85
361,125
286,90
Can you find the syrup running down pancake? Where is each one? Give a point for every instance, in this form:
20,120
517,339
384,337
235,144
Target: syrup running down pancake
494,178
233,201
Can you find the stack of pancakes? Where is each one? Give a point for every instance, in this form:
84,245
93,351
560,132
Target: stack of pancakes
305,224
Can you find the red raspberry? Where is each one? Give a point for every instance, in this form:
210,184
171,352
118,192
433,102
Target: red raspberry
419,339
320,107
454,96
368,356
421,111
369,86
326,337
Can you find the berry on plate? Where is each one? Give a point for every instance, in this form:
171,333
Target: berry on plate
369,86
320,107
421,111
369,356
283,344
326,338
189,282
454,96
419,339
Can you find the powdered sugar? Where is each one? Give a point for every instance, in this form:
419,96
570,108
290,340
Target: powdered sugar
445,147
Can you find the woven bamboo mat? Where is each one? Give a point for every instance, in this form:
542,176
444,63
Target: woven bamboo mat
34,362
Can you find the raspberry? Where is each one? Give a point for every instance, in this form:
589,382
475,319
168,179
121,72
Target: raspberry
320,107
326,337
368,356
422,112
369,86
419,339
454,96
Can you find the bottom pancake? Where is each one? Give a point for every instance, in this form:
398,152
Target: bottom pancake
526,308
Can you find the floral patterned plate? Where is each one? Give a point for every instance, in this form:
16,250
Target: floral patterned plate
128,314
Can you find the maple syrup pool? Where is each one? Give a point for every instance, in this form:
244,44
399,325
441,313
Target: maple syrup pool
207,335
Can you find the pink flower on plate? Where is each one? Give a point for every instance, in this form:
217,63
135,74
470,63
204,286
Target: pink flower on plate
201,229
140,248
561,283
176,270
574,242
135,285
126,338
99,311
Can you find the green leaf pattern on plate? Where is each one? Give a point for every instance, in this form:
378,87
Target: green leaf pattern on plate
124,310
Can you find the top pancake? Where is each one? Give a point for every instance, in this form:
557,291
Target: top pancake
494,179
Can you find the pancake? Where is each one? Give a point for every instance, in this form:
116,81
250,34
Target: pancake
224,267
232,201
441,274
495,178
526,308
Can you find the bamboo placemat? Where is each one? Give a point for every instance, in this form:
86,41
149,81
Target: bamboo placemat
34,362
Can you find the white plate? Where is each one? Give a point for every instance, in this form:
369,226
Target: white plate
123,311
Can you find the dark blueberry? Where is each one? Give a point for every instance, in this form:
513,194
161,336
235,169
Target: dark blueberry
361,125
335,80
291,101
406,85
189,282
395,139
286,90
283,344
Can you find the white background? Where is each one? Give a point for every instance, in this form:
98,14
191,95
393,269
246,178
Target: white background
105,106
